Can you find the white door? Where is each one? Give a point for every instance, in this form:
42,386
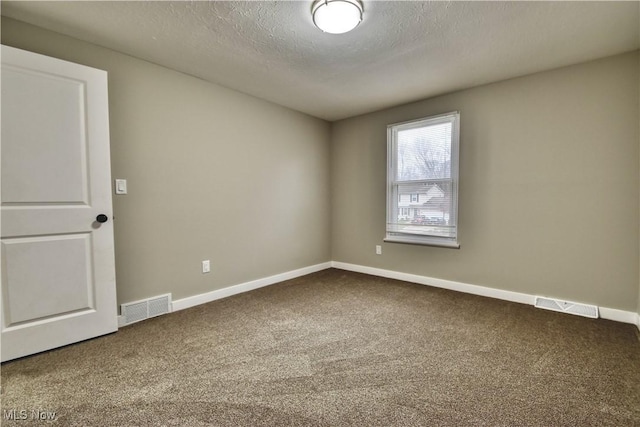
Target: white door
58,273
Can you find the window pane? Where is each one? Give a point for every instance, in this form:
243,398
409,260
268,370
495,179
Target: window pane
424,152
430,213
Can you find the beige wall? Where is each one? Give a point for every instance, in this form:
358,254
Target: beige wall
212,174
549,195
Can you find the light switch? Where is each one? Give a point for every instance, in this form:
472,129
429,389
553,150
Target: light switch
206,266
121,186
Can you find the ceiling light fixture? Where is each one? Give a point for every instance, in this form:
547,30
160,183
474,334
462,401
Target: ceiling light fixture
336,16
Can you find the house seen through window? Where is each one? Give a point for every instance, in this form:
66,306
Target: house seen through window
422,181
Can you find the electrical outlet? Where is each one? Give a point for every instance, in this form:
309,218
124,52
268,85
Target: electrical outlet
378,250
206,266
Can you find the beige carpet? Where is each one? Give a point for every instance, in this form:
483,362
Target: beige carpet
338,348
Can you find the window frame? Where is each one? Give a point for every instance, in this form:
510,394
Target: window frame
396,236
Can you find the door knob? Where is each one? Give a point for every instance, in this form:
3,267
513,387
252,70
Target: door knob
102,218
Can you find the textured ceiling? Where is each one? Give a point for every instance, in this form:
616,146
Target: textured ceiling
401,52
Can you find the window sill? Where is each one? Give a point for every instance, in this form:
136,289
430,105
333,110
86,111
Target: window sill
423,242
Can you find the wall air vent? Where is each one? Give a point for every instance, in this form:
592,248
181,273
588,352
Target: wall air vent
139,310
567,307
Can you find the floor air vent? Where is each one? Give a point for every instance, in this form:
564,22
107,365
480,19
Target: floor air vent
139,310
567,307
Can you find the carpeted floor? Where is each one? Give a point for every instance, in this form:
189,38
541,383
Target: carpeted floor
339,348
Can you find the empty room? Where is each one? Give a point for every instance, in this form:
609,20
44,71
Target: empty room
320,213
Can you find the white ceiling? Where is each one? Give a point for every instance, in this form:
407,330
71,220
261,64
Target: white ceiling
401,52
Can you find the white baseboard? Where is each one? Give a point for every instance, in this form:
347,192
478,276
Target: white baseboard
439,283
605,313
618,315
183,303
522,298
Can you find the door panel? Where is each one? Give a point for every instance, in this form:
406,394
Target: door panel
34,263
58,273
56,148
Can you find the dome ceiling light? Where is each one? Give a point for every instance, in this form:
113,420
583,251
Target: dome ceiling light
336,16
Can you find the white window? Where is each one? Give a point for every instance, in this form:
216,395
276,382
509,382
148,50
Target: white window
423,159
